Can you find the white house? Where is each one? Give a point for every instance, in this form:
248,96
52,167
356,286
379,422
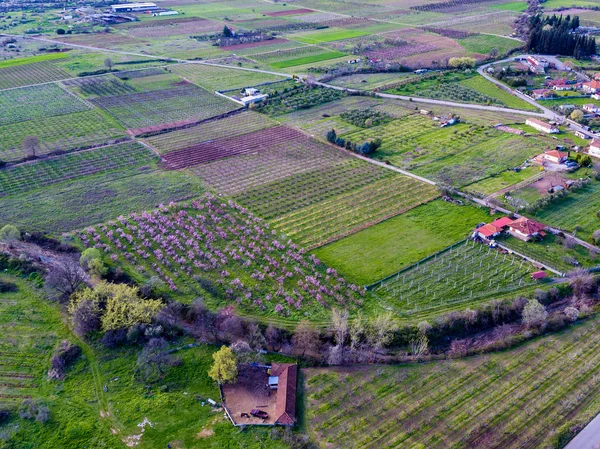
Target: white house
590,108
594,148
542,126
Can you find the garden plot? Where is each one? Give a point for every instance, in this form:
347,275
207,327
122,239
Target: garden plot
465,272
35,175
235,125
220,78
234,252
28,74
146,109
66,132
29,103
28,337
511,399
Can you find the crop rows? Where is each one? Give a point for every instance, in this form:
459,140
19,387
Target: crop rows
163,106
28,74
291,54
462,273
79,130
235,175
28,103
224,148
228,250
101,86
35,175
233,126
509,400
349,212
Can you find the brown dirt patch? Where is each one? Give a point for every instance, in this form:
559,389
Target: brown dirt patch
205,433
549,180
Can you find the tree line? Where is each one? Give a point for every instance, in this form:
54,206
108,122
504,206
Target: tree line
556,35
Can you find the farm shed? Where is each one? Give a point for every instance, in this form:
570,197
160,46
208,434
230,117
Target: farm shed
525,229
542,126
581,135
134,7
536,275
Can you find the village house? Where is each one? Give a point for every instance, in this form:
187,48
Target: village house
590,108
581,135
556,156
591,87
537,94
491,230
597,76
594,148
525,229
542,126
537,65
262,395
560,85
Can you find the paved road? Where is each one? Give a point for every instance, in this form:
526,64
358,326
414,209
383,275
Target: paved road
588,438
440,102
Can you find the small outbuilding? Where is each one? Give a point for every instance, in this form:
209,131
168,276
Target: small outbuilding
537,275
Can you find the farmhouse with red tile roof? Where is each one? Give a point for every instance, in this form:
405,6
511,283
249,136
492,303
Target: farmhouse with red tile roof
285,404
591,86
542,126
525,229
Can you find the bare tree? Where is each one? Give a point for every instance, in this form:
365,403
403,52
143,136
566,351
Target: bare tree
419,345
339,325
357,330
154,360
381,330
63,279
273,336
306,338
31,145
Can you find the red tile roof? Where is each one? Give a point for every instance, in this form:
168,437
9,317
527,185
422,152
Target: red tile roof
488,230
526,226
592,84
285,404
501,222
595,143
557,154
538,275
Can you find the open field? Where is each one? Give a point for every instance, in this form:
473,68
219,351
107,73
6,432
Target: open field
329,35
484,43
66,132
65,207
577,209
519,398
31,327
381,250
291,58
219,78
503,180
465,272
221,255
126,157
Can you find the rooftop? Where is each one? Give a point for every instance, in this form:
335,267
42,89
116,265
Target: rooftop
526,226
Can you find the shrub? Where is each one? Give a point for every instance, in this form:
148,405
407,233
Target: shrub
34,409
534,314
64,355
6,286
10,234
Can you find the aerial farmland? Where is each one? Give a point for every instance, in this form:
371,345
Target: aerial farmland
299,225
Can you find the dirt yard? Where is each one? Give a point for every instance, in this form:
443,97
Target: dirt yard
250,392
549,180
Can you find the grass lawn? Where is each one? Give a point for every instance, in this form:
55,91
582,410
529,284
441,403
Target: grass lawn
484,43
307,59
330,35
511,6
383,249
503,180
32,59
527,194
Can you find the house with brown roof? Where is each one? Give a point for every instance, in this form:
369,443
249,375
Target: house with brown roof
590,108
490,230
263,395
525,229
594,148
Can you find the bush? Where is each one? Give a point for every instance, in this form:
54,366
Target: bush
64,355
10,233
34,409
6,286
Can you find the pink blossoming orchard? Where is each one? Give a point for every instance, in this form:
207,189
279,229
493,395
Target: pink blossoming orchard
222,251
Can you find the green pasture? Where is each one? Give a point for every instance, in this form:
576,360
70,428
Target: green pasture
383,249
329,35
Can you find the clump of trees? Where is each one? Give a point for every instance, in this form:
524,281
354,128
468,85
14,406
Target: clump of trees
555,35
365,118
110,307
462,63
366,148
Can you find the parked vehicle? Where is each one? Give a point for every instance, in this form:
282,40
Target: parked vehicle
259,413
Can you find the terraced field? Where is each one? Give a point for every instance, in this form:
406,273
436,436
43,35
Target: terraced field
466,272
515,399
126,157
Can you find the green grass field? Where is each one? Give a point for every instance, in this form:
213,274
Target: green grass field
383,249
503,180
484,43
330,35
480,84
32,59
307,59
